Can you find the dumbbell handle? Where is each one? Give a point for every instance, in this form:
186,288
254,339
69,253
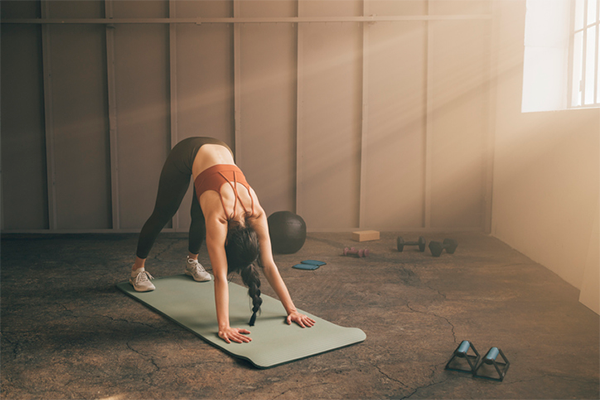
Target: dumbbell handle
401,243
359,253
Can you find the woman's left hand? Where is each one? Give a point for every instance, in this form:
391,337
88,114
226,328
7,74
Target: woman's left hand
300,319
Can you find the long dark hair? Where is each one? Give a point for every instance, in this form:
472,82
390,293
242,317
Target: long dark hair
242,250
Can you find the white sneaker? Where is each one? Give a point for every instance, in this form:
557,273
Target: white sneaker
141,282
194,269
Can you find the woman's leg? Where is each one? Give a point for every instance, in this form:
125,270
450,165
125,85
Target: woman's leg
196,237
172,186
197,228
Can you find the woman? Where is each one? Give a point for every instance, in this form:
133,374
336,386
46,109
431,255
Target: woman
225,212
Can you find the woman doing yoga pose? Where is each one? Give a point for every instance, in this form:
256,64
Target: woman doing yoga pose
225,212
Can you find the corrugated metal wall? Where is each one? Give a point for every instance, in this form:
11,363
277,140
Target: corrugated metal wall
379,125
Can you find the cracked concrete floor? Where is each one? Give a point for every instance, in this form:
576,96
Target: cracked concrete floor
67,332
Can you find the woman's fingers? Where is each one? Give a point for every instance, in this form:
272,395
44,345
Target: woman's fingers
238,338
235,335
301,319
307,322
241,339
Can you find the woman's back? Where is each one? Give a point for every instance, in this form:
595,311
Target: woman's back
209,155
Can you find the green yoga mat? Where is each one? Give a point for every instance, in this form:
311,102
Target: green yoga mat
192,305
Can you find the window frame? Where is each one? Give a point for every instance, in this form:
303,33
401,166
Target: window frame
577,100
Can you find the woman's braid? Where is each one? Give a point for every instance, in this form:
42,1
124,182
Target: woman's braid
251,278
243,252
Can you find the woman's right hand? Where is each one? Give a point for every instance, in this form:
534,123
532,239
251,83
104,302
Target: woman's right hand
234,334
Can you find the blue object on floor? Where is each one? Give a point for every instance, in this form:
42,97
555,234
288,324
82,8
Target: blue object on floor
306,266
191,304
313,262
309,264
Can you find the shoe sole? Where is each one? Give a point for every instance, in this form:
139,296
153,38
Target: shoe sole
203,280
141,290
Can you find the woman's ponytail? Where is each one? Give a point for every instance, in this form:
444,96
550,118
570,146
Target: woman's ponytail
242,250
251,278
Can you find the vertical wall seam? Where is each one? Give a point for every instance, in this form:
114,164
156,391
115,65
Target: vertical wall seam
48,120
173,97
299,93
112,116
491,119
428,124
596,100
237,90
365,119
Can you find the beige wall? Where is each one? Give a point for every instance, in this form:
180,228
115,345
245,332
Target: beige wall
379,125
590,291
546,171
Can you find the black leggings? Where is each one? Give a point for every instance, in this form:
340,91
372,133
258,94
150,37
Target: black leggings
172,187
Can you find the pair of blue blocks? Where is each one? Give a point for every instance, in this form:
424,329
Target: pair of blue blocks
476,363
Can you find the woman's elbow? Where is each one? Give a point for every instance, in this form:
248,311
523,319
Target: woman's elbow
269,268
220,280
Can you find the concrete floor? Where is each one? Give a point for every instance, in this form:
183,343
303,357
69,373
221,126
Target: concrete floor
67,332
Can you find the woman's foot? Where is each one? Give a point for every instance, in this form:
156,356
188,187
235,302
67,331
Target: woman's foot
140,280
194,269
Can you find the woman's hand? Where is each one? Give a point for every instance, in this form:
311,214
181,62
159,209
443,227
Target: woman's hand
300,319
234,334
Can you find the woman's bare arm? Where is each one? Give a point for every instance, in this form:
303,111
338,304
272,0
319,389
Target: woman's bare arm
216,234
272,272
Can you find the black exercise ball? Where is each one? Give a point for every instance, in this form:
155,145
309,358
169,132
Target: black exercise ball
287,231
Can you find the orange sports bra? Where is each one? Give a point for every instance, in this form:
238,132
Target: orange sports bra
216,176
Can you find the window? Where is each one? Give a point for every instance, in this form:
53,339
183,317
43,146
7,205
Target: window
584,54
546,62
561,68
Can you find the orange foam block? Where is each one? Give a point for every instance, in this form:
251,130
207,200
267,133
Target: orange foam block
364,236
